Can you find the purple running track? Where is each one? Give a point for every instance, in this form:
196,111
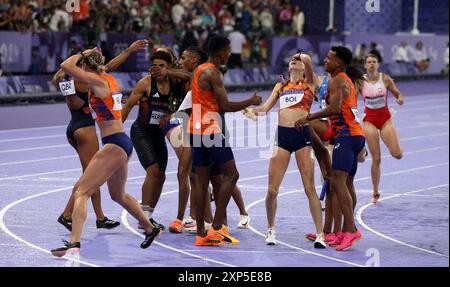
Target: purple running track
408,227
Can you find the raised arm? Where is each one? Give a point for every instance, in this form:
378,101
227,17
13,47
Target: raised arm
270,102
174,73
69,66
138,92
58,77
122,57
392,87
309,70
214,80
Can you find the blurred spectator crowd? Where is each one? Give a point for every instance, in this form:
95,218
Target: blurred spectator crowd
190,21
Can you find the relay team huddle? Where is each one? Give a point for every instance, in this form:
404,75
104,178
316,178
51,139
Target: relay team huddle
185,101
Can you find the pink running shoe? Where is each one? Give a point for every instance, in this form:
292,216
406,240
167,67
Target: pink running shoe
337,240
311,236
329,237
349,240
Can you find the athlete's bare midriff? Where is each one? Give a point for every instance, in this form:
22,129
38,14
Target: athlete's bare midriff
288,117
110,127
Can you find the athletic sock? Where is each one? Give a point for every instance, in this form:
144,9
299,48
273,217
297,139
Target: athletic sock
148,211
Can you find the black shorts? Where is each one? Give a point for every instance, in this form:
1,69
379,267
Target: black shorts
292,139
77,123
150,144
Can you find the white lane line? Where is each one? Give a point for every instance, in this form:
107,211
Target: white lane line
174,172
363,208
32,138
11,234
6,230
424,137
38,160
364,178
123,218
318,187
230,123
412,101
39,174
35,148
292,246
32,129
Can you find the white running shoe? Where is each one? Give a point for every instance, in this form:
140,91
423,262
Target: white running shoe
270,237
320,242
210,192
244,221
193,228
188,222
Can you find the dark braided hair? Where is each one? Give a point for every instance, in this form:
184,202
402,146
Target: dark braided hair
346,56
197,51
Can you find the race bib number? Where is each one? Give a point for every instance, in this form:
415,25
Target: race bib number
289,100
156,117
117,101
356,114
67,88
376,102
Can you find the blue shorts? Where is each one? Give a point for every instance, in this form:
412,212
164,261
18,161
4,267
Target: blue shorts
292,139
345,153
172,124
120,139
211,150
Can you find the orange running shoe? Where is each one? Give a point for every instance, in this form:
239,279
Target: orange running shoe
204,241
176,226
227,238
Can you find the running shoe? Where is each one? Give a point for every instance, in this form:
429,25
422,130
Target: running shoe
327,236
67,222
311,236
193,229
66,249
188,222
156,224
348,240
211,193
244,221
375,198
319,243
227,238
214,235
107,223
337,241
149,237
176,226
204,241
270,237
